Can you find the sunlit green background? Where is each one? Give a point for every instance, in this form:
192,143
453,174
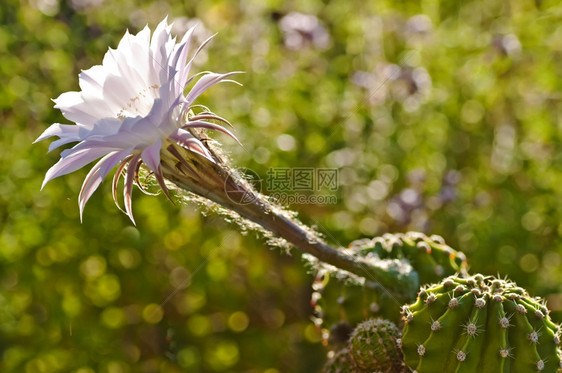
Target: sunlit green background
439,118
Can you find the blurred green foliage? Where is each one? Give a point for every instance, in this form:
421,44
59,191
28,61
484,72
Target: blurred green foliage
439,116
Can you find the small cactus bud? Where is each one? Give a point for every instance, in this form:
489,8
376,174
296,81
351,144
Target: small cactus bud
373,346
339,362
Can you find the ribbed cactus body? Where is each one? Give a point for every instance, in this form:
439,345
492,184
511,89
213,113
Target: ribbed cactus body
374,347
429,256
340,362
340,296
479,324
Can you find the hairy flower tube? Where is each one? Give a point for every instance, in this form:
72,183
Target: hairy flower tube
129,109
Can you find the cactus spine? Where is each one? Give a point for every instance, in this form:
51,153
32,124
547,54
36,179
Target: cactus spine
479,324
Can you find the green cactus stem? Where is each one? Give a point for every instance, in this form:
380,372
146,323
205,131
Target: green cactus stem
342,297
430,256
374,346
479,324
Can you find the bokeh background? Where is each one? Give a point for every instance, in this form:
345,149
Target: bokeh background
440,117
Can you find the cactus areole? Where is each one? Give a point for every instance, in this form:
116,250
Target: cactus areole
479,324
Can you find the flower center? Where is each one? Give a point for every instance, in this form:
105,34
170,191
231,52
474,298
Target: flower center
140,104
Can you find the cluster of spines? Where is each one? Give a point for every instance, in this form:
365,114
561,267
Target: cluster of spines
479,324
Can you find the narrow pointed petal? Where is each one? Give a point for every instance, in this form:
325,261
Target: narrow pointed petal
128,189
91,183
60,130
60,142
151,157
210,116
116,178
74,161
211,126
184,73
180,60
97,174
187,141
206,82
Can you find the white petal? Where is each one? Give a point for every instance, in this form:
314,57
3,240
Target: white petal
92,80
97,174
73,161
205,83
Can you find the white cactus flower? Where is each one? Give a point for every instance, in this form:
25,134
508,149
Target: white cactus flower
129,108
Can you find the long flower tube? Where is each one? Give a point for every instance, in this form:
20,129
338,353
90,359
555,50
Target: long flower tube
214,180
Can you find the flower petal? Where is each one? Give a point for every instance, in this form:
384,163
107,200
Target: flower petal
116,178
128,190
206,82
187,141
97,174
92,79
151,157
211,126
60,130
84,107
184,73
73,161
